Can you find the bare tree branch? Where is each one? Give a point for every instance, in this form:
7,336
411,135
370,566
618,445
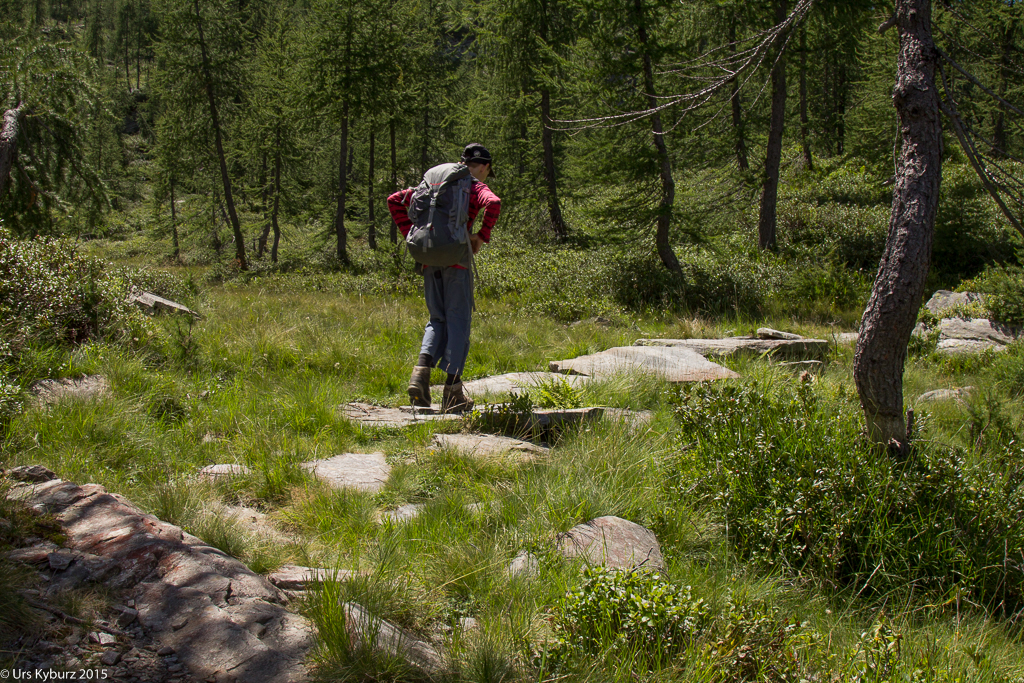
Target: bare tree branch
978,83
949,109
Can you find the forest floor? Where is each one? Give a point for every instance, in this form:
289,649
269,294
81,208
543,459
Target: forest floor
260,380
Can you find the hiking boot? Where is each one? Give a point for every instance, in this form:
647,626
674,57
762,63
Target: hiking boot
454,401
419,386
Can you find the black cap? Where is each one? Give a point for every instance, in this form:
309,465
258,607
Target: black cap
476,152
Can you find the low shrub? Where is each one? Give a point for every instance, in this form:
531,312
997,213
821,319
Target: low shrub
1004,287
803,491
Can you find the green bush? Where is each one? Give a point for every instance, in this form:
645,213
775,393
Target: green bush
1004,287
802,490
627,612
52,295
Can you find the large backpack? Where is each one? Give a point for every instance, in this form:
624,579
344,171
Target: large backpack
439,211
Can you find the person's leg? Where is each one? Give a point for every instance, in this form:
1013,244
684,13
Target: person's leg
434,337
458,311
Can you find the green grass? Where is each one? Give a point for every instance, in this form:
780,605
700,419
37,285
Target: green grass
258,381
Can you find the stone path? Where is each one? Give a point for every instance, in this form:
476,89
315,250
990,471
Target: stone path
516,382
798,349
613,542
671,362
218,619
378,416
489,445
363,471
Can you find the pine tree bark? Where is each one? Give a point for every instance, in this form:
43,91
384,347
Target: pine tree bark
236,228
9,144
773,156
737,109
547,141
261,245
393,232
277,197
668,186
899,285
339,216
804,141
371,231
174,223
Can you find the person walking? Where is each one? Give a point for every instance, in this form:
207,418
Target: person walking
448,289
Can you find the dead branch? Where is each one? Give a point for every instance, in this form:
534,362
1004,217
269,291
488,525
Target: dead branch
973,79
887,24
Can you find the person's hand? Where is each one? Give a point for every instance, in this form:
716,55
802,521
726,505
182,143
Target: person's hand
476,241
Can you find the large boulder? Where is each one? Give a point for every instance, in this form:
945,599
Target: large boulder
223,621
944,301
977,334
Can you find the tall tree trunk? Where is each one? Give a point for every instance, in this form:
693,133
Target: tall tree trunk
236,228
371,231
773,155
737,109
804,142
9,144
264,189
339,215
668,186
554,210
393,230
127,68
138,54
424,150
174,223
899,285
277,196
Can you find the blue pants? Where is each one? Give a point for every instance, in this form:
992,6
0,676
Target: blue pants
449,294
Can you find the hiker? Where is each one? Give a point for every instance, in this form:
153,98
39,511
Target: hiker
437,223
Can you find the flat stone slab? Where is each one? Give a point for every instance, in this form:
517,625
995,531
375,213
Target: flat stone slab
223,471
485,445
369,631
671,363
729,346
220,619
298,578
977,334
815,367
944,300
945,395
524,565
151,303
613,542
847,337
363,471
378,416
634,418
403,513
51,391
769,333
516,382
34,474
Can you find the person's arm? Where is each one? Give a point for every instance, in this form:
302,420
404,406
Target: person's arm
482,199
398,205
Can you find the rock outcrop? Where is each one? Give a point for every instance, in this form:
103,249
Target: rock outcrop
613,542
671,362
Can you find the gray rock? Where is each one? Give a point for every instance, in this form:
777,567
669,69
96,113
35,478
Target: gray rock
517,382
110,657
769,333
363,471
60,560
176,580
368,631
127,616
944,394
31,474
796,349
377,416
977,334
223,471
815,367
673,364
847,337
298,578
634,418
944,300
524,565
151,303
403,513
50,391
486,445
613,542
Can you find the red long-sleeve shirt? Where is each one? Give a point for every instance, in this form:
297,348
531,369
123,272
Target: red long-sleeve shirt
480,197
